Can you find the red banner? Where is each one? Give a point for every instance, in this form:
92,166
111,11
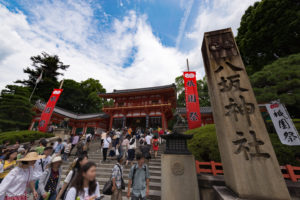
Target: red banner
192,100
48,110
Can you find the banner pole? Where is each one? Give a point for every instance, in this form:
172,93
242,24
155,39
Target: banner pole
187,65
61,83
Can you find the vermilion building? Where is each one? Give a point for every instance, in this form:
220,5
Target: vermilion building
142,107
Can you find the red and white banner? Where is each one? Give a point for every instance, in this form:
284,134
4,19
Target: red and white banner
192,100
48,110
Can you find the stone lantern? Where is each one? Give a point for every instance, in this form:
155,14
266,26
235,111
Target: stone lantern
179,177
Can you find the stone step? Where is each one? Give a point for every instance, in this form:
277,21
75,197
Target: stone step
126,172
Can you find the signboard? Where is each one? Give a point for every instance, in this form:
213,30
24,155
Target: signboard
283,124
192,100
48,110
250,165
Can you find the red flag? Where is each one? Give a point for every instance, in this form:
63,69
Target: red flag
48,110
192,100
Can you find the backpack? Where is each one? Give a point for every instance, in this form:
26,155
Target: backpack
88,139
134,170
132,141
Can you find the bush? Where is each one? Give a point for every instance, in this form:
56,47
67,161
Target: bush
204,146
22,136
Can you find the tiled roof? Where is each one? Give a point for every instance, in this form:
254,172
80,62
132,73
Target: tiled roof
70,114
141,89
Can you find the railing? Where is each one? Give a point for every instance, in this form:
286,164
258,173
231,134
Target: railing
215,168
127,105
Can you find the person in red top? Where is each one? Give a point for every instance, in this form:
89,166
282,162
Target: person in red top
155,145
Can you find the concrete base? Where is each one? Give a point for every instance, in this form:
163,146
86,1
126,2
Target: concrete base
179,178
63,133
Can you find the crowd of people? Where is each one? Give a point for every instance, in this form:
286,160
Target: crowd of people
37,169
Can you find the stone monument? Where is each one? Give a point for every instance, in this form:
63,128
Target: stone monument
251,169
179,178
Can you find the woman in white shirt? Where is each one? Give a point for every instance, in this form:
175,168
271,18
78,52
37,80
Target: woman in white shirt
131,150
15,183
85,186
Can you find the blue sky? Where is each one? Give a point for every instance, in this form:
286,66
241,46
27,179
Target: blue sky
123,43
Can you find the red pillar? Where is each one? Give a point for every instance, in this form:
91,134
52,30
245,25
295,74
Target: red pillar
110,122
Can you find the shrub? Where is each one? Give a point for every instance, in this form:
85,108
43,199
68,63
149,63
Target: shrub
204,146
22,136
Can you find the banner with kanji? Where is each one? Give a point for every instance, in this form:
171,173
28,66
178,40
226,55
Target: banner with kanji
192,100
47,112
283,124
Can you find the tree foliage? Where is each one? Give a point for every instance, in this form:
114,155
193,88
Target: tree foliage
269,30
82,97
51,67
15,109
202,89
280,80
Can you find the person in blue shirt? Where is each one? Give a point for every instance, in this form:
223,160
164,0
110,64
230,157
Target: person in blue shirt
59,147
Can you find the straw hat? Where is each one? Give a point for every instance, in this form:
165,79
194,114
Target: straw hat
32,156
56,159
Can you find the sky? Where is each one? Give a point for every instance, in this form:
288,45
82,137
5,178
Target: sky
123,43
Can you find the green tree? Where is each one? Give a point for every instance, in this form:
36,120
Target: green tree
202,89
280,80
15,109
51,67
82,97
269,30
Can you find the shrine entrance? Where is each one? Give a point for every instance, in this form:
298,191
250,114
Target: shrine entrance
135,122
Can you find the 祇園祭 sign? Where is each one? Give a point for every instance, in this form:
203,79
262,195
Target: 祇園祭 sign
192,100
250,165
283,124
48,110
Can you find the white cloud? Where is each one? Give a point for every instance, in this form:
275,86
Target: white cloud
70,31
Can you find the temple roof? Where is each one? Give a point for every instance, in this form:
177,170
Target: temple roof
40,105
148,90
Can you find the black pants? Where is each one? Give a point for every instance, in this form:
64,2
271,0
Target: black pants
104,153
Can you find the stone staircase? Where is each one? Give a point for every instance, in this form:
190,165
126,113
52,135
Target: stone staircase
104,171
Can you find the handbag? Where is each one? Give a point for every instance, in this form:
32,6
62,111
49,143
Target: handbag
107,188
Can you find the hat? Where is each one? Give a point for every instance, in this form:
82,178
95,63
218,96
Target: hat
20,149
31,156
56,159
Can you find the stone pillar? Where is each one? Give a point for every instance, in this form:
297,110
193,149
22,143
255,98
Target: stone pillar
178,169
250,165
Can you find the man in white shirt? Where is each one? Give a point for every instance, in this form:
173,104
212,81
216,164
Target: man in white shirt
105,146
148,139
40,165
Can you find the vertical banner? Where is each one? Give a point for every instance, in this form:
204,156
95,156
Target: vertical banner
283,124
192,100
47,112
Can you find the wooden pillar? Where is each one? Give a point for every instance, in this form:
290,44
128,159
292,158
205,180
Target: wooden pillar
250,165
84,128
32,124
73,130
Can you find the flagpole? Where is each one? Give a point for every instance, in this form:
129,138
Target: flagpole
36,82
32,92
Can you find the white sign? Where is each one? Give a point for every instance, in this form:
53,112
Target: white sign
283,124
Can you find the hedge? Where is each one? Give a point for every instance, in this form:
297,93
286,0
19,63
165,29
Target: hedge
22,136
204,146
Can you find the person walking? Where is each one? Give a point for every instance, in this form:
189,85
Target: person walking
155,145
148,139
105,146
74,141
73,171
41,165
9,163
124,146
58,147
15,183
67,150
139,180
49,182
117,180
131,150
85,186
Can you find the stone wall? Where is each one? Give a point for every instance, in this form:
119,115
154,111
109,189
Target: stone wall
213,188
